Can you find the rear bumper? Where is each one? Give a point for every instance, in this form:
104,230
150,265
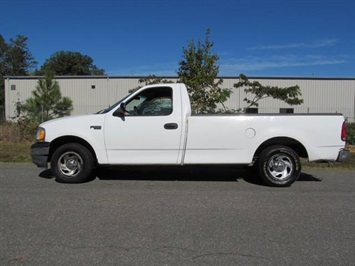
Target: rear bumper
343,155
40,153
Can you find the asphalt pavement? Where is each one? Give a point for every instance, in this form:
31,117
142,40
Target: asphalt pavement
176,216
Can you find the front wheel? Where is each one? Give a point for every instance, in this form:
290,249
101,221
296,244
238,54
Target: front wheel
72,163
279,166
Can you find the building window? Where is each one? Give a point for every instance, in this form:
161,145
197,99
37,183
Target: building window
13,87
93,86
251,111
286,110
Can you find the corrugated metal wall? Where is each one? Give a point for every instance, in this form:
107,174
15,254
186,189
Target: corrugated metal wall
320,96
17,90
91,94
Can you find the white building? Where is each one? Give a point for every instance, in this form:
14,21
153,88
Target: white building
93,93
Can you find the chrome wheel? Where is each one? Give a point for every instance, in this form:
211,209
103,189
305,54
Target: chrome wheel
280,166
70,164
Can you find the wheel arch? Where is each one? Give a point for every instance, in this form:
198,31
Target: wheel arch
70,139
294,144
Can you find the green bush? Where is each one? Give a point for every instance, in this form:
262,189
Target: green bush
350,136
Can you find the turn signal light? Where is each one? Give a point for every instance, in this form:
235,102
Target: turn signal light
41,134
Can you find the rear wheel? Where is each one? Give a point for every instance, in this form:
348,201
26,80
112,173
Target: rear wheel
279,166
72,163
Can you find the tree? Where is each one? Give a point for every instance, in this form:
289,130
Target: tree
3,71
19,59
47,102
4,64
289,95
199,71
15,60
153,79
70,63
149,80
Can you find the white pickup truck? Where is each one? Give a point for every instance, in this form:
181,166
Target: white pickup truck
154,126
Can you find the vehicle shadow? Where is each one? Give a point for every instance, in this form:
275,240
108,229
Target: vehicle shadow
304,177
205,173
173,173
46,174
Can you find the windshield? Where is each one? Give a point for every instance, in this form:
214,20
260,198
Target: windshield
104,111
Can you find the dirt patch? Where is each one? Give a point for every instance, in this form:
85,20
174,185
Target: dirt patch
351,148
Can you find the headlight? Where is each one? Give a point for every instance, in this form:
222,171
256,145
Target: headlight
41,134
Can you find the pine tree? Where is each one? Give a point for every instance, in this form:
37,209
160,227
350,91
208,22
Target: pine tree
47,102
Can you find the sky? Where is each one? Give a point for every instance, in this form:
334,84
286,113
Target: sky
286,38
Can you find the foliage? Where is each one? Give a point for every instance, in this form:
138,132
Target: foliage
20,131
152,79
15,60
289,95
47,101
70,63
199,71
350,133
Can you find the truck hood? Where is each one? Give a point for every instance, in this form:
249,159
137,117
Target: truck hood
80,126
73,119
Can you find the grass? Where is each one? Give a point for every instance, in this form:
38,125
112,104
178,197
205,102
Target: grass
19,152
16,152
348,164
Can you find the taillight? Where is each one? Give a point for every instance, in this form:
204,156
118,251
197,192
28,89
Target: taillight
343,132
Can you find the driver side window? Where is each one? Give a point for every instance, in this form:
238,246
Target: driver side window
151,102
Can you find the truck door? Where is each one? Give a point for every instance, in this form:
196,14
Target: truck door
150,130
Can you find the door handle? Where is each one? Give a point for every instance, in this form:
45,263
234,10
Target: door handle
171,126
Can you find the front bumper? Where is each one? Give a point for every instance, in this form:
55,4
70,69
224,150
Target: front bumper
40,153
343,155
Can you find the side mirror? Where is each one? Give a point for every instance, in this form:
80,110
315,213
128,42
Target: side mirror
120,112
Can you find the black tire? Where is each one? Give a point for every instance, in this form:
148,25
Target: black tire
279,166
72,163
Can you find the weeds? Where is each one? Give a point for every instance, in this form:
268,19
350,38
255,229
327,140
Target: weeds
23,130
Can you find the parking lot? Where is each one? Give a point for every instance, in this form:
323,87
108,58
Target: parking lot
176,216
